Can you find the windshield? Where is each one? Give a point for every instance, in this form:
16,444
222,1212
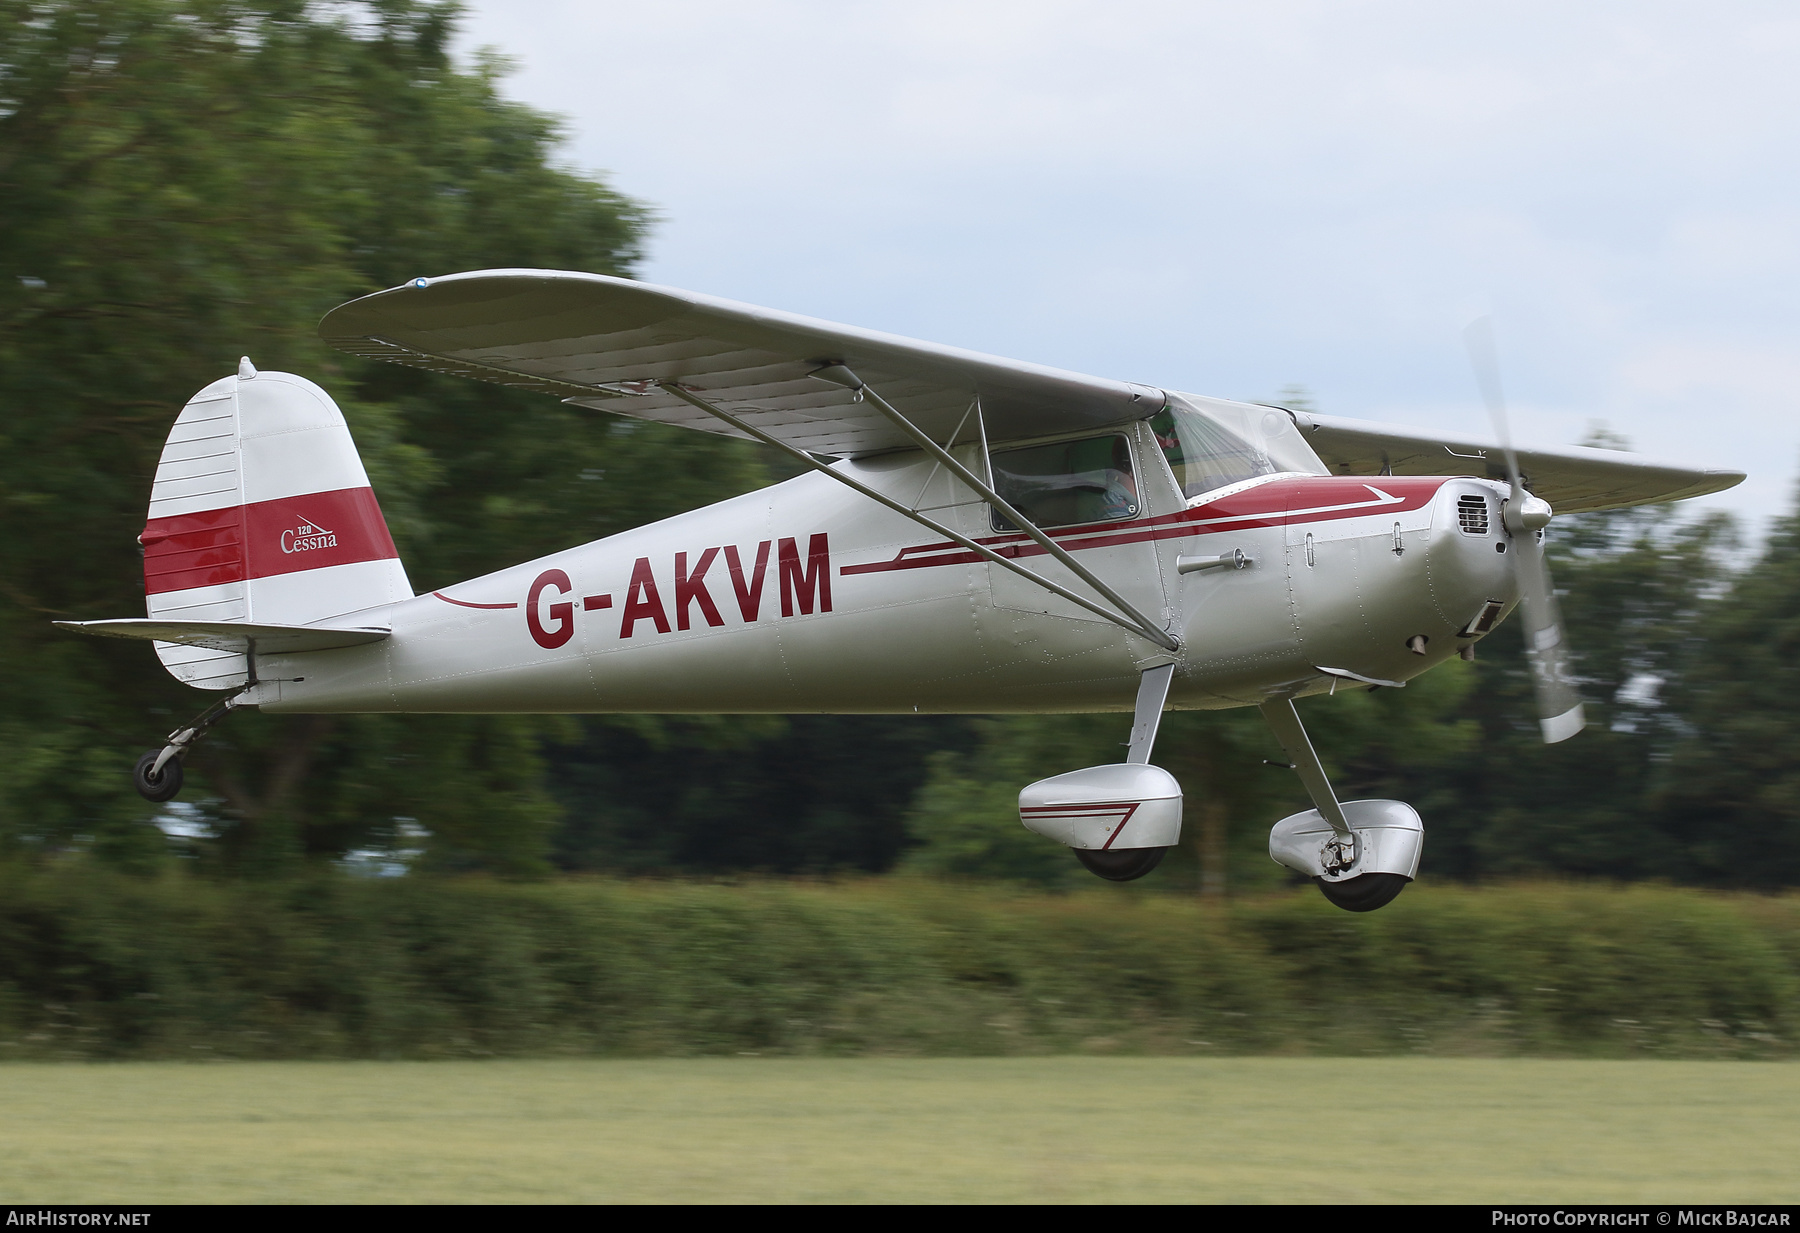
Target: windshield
1227,443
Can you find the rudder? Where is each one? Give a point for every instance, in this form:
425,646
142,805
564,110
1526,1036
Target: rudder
261,512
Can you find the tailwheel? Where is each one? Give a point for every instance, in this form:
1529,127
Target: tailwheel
1123,865
1364,893
154,785
162,785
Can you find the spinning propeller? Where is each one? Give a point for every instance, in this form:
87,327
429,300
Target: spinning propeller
1559,705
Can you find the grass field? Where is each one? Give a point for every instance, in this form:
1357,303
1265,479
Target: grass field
886,1130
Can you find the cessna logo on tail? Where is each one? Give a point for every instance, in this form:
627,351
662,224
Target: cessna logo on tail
307,537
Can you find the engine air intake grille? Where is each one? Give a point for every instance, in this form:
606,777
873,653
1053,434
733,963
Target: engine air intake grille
1472,514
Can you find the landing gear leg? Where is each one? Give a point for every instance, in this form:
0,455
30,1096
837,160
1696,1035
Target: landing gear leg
1152,696
1348,872
157,776
1130,864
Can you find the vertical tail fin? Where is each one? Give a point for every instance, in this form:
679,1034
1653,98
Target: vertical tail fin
261,511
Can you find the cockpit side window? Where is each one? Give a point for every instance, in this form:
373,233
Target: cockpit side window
1205,454
1069,482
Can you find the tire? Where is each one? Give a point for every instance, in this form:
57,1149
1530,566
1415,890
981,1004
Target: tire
1124,865
166,784
1364,893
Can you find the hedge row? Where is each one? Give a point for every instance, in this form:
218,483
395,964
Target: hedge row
99,965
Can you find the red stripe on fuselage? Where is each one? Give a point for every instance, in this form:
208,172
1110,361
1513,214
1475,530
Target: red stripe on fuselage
1320,499
263,539
463,603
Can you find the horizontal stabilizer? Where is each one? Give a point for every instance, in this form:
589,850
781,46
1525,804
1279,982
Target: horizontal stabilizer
231,635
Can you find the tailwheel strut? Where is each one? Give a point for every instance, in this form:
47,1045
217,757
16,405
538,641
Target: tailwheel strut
157,775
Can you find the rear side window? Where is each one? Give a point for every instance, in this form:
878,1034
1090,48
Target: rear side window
1069,482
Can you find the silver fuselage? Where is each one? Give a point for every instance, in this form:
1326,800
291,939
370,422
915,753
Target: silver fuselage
807,597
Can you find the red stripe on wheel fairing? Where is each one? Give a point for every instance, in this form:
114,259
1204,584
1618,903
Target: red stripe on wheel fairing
263,539
1102,809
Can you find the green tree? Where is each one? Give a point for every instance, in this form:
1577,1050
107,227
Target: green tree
781,794
184,181
1637,589
1729,798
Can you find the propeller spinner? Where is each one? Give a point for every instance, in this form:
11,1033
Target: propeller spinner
1559,704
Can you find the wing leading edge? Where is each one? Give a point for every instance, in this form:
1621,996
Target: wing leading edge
1573,478
605,342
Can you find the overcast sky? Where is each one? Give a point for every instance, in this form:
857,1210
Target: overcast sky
1231,198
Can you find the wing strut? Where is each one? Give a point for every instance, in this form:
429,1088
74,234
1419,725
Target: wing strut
1138,624
837,374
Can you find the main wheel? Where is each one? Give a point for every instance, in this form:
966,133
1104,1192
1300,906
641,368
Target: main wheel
164,784
1123,865
1365,892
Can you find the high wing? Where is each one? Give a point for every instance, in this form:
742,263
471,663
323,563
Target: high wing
1573,478
605,342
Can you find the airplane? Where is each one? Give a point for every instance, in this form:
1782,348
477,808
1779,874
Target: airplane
970,534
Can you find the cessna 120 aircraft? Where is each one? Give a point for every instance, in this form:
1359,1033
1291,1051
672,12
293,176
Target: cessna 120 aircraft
973,535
